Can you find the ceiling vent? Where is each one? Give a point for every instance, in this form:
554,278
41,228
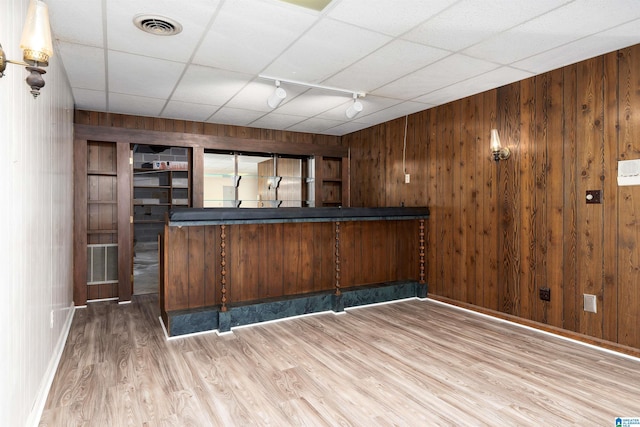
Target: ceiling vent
157,25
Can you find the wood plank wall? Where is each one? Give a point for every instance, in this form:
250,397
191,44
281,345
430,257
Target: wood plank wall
499,232
280,259
171,125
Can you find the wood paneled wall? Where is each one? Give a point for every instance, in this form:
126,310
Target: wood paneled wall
199,128
280,259
499,232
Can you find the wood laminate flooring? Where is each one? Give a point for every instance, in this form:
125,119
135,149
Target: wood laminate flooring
411,363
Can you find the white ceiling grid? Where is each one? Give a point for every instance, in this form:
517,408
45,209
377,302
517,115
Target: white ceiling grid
407,55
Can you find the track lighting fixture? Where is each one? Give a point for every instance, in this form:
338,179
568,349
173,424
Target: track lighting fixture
499,152
355,108
36,45
277,96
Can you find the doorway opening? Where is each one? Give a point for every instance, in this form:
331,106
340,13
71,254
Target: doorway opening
161,181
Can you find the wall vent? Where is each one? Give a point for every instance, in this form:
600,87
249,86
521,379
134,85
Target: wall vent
102,263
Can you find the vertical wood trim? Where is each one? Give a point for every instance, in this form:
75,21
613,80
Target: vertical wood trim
421,253
590,164
337,257
125,255
444,202
318,163
211,265
196,266
570,208
345,197
610,203
223,268
488,232
80,222
433,254
508,179
552,253
197,177
629,196
526,189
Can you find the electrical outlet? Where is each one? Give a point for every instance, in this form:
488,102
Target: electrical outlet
590,303
407,178
545,294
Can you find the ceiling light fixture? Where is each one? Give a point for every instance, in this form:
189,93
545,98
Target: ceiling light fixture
36,46
353,110
277,96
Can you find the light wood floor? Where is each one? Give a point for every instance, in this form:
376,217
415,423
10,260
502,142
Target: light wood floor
414,363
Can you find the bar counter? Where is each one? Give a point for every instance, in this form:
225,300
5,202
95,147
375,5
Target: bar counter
226,267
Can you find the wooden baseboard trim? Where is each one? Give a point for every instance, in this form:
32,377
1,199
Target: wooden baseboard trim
630,351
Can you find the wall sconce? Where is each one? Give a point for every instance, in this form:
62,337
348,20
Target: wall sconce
499,152
36,45
277,96
355,108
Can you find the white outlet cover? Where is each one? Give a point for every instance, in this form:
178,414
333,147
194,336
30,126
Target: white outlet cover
590,303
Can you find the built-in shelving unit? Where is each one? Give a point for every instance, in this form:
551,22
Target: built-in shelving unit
102,221
331,180
156,191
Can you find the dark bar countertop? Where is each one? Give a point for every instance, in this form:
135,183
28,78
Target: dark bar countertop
213,216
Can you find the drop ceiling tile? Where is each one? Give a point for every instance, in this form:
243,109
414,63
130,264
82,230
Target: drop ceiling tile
276,121
470,21
346,128
448,71
254,95
188,111
136,75
86,99
234,116
567,24
211,86
247,35
393,112
126,37
385,65
484,82
324,50
77,21
374,14
370,105
597,44
84,65
312,103
314,125
136,105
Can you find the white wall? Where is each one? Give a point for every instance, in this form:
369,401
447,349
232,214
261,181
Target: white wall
36,226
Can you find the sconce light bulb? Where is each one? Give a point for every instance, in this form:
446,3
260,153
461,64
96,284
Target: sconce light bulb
495,140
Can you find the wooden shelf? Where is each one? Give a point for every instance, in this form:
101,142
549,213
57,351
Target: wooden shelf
102,231
103,173
102,202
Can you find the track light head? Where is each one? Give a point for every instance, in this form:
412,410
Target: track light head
277,96
355,108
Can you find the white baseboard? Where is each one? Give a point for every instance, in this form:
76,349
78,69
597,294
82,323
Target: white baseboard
47,380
